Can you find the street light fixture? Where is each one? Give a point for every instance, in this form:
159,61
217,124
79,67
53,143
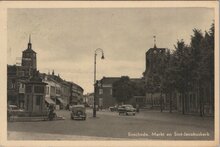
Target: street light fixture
98,49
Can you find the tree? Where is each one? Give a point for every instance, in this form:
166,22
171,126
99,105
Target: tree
182,70
168,80
205,66
123,89
138,88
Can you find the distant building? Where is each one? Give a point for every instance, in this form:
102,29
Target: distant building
104,95
57,91
18,75
25,87
76,94
65,92
89,99
61,92
15,85
154,57
29,58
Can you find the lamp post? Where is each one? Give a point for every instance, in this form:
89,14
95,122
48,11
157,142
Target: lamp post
94,107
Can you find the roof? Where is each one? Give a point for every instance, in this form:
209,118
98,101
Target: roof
109,80
29,50
161,50
76,85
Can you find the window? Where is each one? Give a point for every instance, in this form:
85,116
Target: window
38,98
110,91
53,90
28,89
12,85
39,89
47,90
58,91
22,85
100,91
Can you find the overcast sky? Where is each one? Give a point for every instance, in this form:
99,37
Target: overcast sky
65,39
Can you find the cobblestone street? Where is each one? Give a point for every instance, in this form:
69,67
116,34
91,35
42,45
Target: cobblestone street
110,126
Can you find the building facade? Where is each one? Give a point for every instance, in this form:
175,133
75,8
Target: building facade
17,75
35,96
104,92
156,99
76,94
25,88
89,99
61,92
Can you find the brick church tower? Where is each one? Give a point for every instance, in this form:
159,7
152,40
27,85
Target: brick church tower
153,58
29,59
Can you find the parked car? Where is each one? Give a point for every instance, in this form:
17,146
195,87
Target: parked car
78,112
126,109
113,108
14,109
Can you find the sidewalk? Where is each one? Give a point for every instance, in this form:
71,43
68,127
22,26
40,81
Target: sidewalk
32,119
12,135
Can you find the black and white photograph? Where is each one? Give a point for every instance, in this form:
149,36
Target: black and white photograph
99,72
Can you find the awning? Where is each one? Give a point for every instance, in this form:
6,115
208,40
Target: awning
61,100
49,100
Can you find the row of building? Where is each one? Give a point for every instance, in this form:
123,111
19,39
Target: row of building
190,103
31,90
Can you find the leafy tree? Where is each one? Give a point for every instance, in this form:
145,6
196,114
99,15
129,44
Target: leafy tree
205,67
168,80
123,89
138,88
188,68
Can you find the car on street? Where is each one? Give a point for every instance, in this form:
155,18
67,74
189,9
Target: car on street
78,112
126,109
113,108
14,109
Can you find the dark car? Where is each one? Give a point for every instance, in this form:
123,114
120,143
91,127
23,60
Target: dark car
78,112
126,109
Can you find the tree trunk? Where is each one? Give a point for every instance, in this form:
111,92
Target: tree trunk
200,101
152,100
183,103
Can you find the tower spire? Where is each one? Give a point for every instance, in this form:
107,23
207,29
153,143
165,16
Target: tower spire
154,41
29,38
29,43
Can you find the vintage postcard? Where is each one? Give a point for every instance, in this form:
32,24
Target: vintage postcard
102,73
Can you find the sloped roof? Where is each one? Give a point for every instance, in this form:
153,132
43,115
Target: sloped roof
156,49
29,50
109,80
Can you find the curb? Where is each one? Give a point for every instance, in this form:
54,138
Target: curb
34,119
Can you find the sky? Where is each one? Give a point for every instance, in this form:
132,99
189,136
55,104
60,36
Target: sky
65,39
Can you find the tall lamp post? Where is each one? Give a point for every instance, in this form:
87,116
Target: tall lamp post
94,107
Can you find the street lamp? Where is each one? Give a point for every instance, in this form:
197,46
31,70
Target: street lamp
94,107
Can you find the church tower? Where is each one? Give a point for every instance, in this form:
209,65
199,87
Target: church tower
153,58
29,59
